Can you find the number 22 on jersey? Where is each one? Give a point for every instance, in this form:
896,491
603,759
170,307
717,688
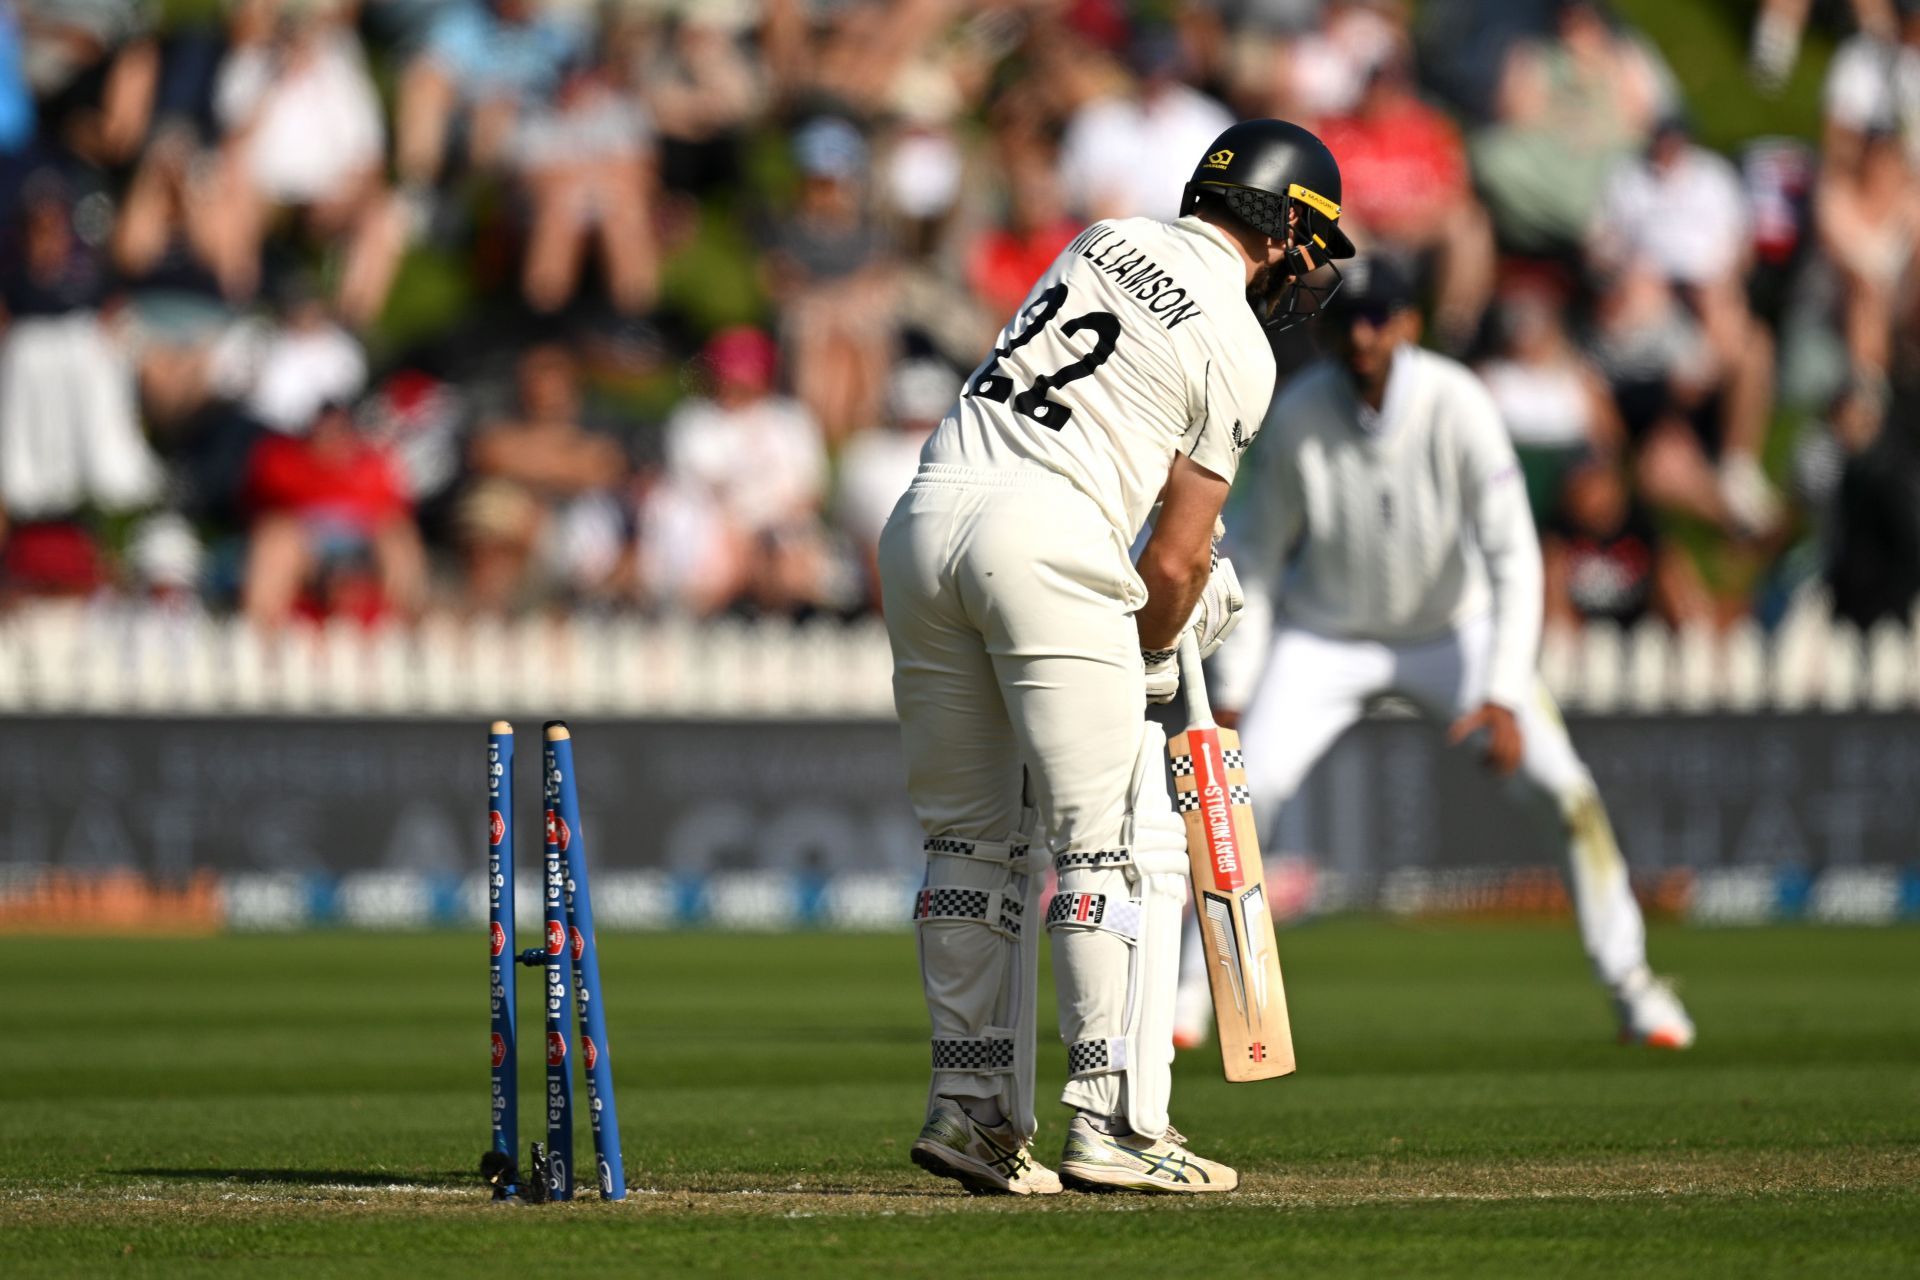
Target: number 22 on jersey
991,384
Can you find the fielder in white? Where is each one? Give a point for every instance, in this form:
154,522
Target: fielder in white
1389,549
1026,645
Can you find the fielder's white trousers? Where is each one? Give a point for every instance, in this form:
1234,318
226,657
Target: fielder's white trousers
1314,686
1017,676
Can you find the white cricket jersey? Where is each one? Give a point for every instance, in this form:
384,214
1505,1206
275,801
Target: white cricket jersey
1396,526
1138,342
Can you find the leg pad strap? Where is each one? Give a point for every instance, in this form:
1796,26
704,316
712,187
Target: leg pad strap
1095,911
1013,854
1092,1057
999,911
1093,860
991,1054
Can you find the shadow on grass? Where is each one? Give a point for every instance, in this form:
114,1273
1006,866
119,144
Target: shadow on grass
369,1178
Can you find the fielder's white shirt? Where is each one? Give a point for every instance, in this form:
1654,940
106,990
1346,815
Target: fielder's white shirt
1394,526
1136,344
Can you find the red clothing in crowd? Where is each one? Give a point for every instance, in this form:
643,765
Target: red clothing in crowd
1397,162
1005,263
344,482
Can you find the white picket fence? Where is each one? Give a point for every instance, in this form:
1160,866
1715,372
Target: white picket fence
89,659
86,661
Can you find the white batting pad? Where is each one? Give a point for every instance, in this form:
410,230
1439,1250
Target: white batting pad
1116,934
976,915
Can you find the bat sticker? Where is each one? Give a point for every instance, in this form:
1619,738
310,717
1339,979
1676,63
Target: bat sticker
1226,954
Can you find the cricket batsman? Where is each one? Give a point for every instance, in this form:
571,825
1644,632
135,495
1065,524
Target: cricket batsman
1026,644
1389,549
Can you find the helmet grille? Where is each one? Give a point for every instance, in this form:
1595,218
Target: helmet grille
1264,211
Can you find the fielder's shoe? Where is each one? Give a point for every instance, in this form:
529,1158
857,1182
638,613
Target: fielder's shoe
1128,1161
1651,1014
1192,1015
986,1160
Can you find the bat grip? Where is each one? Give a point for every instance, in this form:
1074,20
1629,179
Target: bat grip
1193,683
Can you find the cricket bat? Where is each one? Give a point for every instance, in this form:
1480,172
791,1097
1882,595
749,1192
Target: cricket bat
1229,888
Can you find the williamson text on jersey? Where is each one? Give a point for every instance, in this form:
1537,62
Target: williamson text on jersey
1137,275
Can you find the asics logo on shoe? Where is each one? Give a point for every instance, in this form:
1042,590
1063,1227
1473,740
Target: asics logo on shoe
1171,1164
1011,1162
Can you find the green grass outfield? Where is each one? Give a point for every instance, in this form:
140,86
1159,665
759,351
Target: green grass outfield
317,1103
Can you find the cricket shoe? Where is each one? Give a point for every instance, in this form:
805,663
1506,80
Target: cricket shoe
1192,1015
988,1160
1128,1161
1651,1014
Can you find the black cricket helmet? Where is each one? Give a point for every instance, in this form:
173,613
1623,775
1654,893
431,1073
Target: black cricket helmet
1281,180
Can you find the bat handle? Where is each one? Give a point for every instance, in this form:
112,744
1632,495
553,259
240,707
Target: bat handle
1193,683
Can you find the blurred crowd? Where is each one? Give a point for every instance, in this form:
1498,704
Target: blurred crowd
363,307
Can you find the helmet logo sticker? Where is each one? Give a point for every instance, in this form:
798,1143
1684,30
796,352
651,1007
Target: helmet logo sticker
1219,159
1314,200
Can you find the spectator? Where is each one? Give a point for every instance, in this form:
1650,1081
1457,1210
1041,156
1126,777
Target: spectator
746,471
1568,109
542,511
830,271
853,55
1007,258
1604,559
490,58
1670,387
1868,217
332,531
1873,86
1329,67
586,159
284,370
1403,178
69,431
920,180
49,560
420,420
879,463
1680,214
167,239
93,65
1874,566
702,91
304,130
1779,25
1554,403
1680,208
214,396
1129,153
166,563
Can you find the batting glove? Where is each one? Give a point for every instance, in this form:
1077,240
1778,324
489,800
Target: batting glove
1163,673
1218,611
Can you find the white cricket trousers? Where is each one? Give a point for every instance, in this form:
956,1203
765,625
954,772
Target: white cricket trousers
1009,602
1314,686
